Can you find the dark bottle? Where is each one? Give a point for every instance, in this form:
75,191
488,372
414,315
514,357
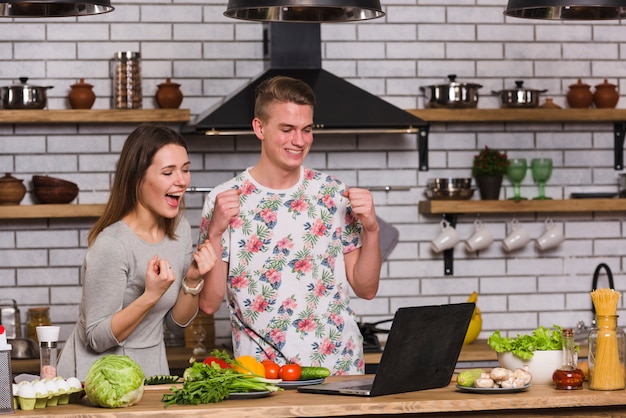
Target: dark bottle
568,376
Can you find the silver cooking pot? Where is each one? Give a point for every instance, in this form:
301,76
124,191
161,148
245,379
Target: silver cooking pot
452,95
24,96
519,96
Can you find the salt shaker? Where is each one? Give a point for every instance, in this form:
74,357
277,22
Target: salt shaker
126,70
48,337
6,388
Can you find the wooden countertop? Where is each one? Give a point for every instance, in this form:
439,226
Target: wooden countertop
536,401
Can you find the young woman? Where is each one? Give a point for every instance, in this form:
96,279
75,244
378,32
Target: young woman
140,272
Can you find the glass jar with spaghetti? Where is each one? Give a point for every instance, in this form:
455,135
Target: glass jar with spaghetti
607,348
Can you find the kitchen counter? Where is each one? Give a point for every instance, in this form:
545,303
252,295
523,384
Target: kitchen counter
538,400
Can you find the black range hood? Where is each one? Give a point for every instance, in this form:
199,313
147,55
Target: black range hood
294,49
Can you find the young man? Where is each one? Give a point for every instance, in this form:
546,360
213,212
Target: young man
293,241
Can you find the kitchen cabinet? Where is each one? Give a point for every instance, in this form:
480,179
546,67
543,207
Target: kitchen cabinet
538,115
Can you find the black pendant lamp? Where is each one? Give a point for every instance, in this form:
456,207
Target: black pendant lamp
567,9
304,10
53,8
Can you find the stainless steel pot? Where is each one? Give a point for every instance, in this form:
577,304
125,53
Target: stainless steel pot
519,96
452,95
24,96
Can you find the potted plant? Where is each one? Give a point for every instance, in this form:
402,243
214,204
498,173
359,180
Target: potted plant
488,168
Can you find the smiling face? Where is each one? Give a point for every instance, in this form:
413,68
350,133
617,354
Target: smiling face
286,136
165,181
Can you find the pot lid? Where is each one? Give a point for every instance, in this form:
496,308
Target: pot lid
519,86
81,83
8,178
579,83
168,83
23,83
453,83
606,84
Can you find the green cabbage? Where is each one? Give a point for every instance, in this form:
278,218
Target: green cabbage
114,381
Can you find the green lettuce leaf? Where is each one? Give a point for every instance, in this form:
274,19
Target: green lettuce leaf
524,346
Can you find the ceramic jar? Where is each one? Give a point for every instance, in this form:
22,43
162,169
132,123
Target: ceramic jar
168,95
549,104
579,95
605,95
81,95
12,190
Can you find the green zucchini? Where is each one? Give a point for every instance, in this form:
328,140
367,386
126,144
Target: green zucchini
160,379
310,373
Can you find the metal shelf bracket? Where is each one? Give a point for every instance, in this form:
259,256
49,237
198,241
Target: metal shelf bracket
619,130
422,147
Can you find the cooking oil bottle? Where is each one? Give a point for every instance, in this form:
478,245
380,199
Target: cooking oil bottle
568,376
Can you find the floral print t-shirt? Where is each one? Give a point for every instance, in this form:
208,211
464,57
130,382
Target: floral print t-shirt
287,281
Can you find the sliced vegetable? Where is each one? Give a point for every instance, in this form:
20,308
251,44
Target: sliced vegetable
310,373
290,372
160,379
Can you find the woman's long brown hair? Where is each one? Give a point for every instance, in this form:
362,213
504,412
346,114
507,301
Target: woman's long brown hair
136,156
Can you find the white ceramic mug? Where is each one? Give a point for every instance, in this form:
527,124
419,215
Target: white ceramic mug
447,238
480,239
552,236
517,238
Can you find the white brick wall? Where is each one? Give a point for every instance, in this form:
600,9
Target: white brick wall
413,45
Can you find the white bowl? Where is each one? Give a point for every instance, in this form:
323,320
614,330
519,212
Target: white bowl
541,365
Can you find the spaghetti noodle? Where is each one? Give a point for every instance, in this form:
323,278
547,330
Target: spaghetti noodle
608,368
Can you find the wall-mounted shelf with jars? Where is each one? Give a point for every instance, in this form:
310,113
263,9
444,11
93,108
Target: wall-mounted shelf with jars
9,116
538,115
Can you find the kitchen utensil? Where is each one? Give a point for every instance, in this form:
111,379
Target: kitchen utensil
10,318
168,95
480,239
81,95
551,237
517,238
542,170
449,194
24,348
12,190
605,95
579,95
446,239
52,190
443,188
24,96
519,96
451,95
444,183
516,171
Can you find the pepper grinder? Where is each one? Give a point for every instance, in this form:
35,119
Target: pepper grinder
48,337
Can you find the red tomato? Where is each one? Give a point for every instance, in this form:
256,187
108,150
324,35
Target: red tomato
220,362
271,369
290,372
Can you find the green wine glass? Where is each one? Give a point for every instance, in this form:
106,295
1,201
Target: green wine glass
516,172
542,170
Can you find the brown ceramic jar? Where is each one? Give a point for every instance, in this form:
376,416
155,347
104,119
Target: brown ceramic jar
12,190
549,104
579,95
168,95
606,95
81,96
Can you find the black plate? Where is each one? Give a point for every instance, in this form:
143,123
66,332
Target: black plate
607,195
492,390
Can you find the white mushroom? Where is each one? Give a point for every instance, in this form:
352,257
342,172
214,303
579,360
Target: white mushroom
524,375
484,383
500,373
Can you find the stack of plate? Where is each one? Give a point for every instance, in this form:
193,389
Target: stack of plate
450,188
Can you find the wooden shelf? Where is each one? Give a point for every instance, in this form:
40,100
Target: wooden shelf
51,211
429,207
520,115
95,116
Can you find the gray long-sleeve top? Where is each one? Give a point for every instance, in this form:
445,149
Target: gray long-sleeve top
114,275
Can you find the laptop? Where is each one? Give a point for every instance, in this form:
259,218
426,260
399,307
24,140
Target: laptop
421,353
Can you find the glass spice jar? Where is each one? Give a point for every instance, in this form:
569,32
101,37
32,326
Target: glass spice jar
126,71
607,348
37,317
